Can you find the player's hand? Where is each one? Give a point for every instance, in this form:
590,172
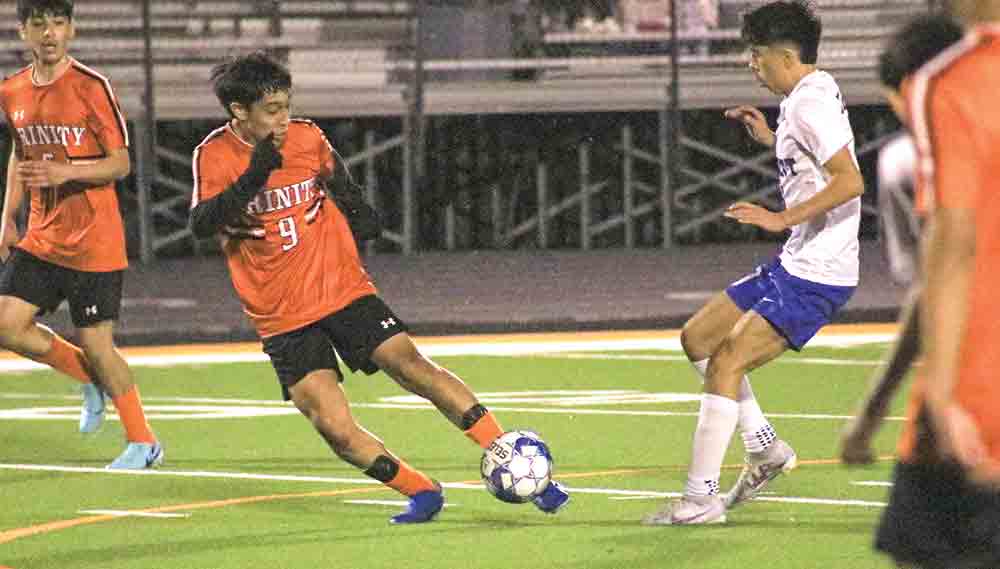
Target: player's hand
745,212
265,157
755,123
855,444
987,474
958,435
43,173
245,227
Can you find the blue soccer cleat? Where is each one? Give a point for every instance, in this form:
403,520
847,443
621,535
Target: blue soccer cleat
552,499
138,456
424,507
92,412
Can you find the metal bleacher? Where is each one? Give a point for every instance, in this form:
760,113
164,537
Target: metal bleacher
352,48
854,32
325,42
350,59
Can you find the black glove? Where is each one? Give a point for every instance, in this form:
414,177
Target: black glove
362,217
264,160
350,198
226,209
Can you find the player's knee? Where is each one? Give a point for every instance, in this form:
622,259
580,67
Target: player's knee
12,326
726,361
689,340
97,346
9,332
694,341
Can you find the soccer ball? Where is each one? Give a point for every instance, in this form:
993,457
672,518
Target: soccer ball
517,466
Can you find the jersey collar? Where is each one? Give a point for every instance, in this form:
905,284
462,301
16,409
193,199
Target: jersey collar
62,72
232,130
810,77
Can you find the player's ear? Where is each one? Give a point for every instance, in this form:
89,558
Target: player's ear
789,56
22,31
239,111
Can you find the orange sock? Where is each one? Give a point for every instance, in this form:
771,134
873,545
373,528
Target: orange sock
133,418
485,430
67,358
410,481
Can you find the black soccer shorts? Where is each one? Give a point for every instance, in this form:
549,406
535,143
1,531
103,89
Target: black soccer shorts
353,332
93,297
937,519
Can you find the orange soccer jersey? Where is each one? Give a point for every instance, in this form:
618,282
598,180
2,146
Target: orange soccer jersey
75,118
956,124
306,266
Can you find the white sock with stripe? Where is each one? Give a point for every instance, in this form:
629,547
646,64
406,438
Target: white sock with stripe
716,424
755,430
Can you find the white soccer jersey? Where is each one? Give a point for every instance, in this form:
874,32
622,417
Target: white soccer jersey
812,127
899,227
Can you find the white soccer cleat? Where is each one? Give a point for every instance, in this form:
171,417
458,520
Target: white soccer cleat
759,469
689,510
138,456
92,412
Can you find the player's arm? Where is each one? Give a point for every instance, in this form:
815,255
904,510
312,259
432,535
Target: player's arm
949,261
349,197
954,153
855,441
845,184
755,123
12,199
106,121
210,216
818,124
49,173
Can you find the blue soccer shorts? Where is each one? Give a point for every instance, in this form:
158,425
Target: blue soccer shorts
796,308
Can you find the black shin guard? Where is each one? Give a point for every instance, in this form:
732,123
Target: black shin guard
472,416
383,469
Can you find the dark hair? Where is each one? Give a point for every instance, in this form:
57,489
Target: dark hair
792,22
914,44
246,79
29,8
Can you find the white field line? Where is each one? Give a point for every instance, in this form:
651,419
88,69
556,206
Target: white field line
429,407
619,412
879,483
783,499
367,481
658,358
486,348
130,514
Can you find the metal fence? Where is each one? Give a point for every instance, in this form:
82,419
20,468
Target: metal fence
652,177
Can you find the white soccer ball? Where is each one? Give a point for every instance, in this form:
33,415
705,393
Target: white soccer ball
517,466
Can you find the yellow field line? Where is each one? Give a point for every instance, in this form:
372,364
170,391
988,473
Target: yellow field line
49,527
11,535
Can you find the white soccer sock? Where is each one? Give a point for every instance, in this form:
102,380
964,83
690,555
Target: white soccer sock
702,367
716,424
755,430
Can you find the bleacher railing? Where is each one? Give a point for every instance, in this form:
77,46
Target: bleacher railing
649,180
